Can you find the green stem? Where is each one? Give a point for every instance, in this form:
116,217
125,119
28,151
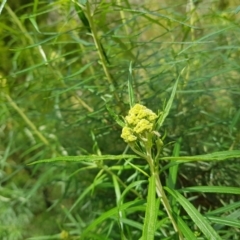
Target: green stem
100,49
26,119
160,191
161,194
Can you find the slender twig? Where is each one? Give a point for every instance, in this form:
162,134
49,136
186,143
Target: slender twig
26,119
99,48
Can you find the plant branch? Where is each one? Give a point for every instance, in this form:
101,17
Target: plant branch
26,119
100,50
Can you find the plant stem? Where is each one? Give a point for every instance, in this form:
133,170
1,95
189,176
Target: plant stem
100,50
26,119
161,194
160,191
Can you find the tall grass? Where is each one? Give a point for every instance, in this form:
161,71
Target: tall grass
70,71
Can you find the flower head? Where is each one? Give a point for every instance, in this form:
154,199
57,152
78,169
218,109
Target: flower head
127,135
143,125
139,120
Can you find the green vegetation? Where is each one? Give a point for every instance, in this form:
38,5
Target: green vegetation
71,75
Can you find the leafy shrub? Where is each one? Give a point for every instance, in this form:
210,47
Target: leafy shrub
69,70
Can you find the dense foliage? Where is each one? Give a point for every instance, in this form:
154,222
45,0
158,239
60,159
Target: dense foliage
65,72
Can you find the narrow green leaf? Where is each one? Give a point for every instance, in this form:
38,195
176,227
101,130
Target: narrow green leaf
169,104
48,237
118,201
230,220
130,87
212,189
186,231
82,16
81,70
173,170
225,221
41,64
108,214
132,223
131,186
194,214
207,157
150,215
227,208
2,5
85,158
37,44
205,37
154,13
34,23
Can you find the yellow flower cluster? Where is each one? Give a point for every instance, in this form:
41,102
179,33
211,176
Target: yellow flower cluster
139,120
